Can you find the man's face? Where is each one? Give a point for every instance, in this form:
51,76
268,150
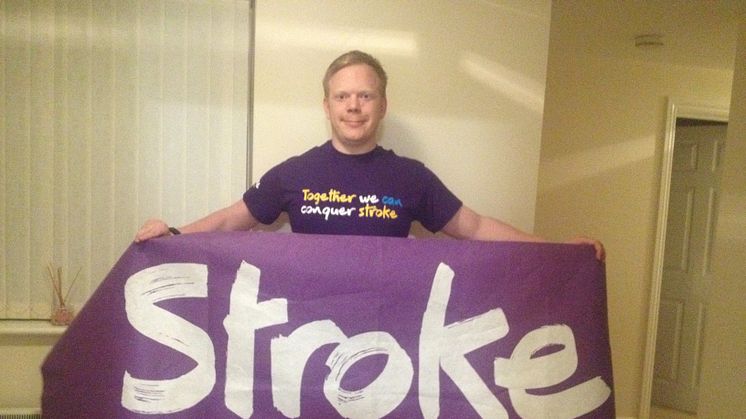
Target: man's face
354,108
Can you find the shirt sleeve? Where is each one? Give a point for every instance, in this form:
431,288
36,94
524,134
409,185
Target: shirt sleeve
438,204
264,199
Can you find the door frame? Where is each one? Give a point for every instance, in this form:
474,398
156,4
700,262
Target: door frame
676,109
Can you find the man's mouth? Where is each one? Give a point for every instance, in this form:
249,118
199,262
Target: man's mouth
353,123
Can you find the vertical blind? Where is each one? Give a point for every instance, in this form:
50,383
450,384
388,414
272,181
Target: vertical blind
112,112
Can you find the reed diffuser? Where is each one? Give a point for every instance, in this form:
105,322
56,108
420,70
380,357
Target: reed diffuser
62,312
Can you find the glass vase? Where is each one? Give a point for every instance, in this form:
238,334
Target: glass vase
62,314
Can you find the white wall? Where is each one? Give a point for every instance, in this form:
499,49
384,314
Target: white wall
20,359
601,151
724,365
466,87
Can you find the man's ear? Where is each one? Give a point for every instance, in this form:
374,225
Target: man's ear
384,106
326,107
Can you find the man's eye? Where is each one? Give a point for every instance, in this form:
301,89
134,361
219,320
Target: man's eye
340,96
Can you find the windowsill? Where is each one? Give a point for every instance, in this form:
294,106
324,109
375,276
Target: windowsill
30,328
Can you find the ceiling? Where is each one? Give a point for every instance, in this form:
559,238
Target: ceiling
698,33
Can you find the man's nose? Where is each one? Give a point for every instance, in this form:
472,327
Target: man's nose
353,104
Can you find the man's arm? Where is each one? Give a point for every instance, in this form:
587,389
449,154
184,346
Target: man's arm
234,217
467,224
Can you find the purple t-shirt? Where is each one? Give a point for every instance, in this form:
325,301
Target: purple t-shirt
328,192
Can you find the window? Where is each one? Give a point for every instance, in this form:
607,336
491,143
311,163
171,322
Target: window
112,112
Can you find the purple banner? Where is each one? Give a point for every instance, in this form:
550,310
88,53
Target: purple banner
272,325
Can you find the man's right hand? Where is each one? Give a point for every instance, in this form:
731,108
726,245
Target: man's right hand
152,228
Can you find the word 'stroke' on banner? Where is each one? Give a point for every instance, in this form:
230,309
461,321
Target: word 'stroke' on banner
284,325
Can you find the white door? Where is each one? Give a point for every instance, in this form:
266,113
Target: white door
686,271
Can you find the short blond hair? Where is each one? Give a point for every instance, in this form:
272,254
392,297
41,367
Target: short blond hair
352,58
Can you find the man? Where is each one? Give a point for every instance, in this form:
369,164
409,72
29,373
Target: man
351,185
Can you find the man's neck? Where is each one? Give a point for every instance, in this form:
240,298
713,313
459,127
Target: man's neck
354,149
